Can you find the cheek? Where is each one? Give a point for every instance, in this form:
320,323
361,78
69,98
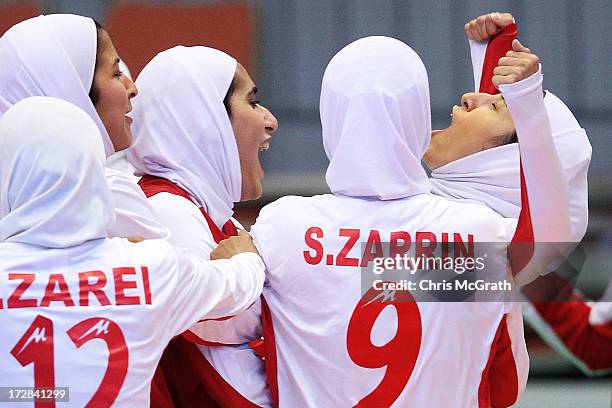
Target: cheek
112,99
248,132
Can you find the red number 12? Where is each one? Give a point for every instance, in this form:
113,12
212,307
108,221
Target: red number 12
36,346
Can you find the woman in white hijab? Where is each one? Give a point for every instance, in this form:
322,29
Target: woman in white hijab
476,158
73,58
198,133
579,330
63,283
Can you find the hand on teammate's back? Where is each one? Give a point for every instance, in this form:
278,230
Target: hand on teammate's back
243,242
482,28
517,65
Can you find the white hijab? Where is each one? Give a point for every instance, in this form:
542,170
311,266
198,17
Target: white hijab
376,120
52,55
493,176
52,188
182,130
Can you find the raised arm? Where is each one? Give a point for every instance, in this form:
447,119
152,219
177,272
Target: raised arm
545,216
501,62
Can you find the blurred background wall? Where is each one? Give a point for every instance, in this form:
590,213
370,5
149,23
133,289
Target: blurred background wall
286,44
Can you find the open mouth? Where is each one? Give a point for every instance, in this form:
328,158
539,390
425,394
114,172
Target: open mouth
264,146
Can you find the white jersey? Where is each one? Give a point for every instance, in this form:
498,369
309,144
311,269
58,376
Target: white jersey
333,347
96,317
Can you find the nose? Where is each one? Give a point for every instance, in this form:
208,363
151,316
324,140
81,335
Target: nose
270,122
473,100
130,86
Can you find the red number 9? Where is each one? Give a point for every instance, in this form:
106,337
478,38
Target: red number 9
399,355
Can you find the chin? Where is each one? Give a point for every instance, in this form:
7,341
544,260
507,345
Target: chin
253,193
426,159
123,142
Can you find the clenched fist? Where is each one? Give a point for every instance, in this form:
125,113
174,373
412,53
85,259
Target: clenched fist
517,65
234,246
486,26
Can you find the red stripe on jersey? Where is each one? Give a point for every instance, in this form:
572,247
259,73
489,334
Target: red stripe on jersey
499,382
160,396
521,247
258,346
176,383
189,336
199,380
152,185
570,321
269,350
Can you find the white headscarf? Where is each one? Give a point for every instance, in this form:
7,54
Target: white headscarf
376,120
182,130
492,176
52,188
52,55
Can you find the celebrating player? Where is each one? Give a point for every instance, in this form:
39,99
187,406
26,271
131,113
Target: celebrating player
199,130
72,58
80,310
577,329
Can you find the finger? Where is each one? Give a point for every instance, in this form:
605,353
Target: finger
514,62
481,25
471,31
490,26
520,54
243,234
506,70
502,80
517,46
135,239
510,78
214,255
502,19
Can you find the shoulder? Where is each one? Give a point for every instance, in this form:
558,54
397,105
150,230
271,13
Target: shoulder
488,224
290,206
148,252
164,200
188,227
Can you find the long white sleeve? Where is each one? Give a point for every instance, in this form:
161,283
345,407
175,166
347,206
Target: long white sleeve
216,289
545,215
